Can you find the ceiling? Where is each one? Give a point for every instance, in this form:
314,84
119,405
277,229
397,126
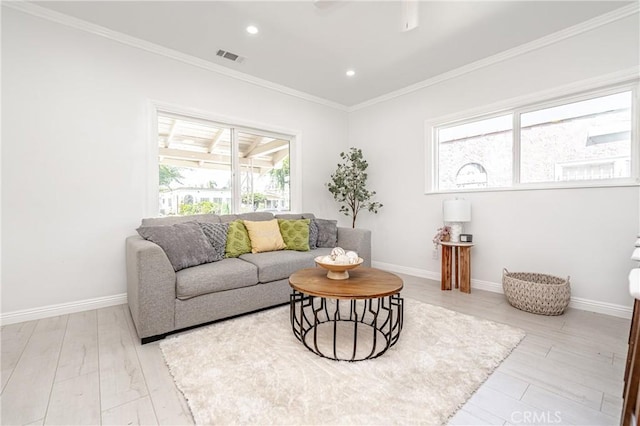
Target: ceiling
308,45
206,145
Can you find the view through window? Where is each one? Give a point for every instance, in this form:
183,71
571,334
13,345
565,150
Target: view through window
485,144
207,167
587,140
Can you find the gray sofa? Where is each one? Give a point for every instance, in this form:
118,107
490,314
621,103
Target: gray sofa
163,301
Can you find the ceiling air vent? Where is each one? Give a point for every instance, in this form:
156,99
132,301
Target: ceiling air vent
230,56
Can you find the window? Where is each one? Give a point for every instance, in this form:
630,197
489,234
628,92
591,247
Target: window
487,143
209,167
552,139
567,142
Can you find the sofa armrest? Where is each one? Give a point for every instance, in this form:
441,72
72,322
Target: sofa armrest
358,240
151,287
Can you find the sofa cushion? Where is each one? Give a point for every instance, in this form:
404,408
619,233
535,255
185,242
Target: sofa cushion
327,232
294,216
172,220
228,218
278,265
295,233
256,216
184,243
313,228
264,235
217,235
226,274
238,241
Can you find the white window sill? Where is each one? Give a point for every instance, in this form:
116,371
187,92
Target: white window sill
544,186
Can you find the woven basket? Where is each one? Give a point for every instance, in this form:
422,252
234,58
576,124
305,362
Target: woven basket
536,293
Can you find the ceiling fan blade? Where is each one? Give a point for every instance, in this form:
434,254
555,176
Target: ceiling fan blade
409,14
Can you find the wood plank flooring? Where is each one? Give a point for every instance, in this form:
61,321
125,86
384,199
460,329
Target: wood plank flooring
89,368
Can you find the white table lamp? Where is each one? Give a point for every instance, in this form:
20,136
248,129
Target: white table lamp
455,213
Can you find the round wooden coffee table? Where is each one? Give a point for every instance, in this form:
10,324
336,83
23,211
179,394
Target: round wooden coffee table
349,320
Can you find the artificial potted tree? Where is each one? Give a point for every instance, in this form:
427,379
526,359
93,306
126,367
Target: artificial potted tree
348,185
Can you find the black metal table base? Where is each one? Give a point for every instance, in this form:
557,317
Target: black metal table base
346,330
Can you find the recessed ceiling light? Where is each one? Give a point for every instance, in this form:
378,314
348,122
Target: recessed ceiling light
351,73
252,29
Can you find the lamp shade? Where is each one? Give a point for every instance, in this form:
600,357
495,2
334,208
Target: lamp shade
456,210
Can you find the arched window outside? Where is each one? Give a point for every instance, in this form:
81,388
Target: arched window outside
471,175
188,199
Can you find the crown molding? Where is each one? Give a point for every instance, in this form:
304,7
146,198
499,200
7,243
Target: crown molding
547,40
556,37
95,29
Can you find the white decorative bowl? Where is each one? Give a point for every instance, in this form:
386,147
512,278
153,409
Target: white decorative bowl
337,271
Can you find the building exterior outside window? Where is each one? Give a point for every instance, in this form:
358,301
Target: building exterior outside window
586,140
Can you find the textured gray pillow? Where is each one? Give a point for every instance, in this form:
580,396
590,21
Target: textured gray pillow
327,232
217,235
313,234
184,243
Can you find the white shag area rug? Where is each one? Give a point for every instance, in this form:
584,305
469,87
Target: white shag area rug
253,371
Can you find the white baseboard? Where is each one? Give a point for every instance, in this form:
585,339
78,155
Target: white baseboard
422,273
62,309
487,285
612,309
606,308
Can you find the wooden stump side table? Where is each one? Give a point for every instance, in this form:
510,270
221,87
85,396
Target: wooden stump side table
456,258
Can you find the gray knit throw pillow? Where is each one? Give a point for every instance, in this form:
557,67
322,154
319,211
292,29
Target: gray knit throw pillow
184,243
313,234
217,235
327,232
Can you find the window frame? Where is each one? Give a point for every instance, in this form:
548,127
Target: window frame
519,108
152,206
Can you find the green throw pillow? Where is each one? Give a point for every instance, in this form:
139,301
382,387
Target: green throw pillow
238,241
295,233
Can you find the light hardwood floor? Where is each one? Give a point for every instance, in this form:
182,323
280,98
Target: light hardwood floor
89,368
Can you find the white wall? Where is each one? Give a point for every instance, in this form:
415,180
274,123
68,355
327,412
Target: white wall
585,233
75,139
75,175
